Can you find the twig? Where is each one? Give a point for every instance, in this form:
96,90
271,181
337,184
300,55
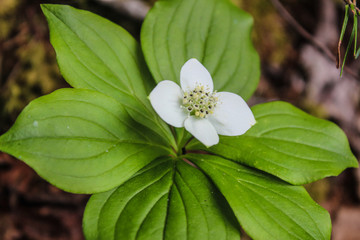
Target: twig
302,31
352,3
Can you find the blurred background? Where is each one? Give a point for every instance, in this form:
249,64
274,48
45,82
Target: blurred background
297,42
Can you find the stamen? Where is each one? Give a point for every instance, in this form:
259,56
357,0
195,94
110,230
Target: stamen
200,102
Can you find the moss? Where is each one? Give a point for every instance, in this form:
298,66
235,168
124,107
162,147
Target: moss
8,9
270,36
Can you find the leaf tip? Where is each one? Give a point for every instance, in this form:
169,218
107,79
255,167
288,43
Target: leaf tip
44,7
354,161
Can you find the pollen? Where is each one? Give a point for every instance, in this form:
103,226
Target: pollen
200,102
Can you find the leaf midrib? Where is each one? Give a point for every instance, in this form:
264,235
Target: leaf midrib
110,84
277,193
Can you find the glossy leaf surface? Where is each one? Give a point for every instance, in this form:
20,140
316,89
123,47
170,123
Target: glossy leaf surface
213,31
80,140
290,144
166,200
94,53
266,207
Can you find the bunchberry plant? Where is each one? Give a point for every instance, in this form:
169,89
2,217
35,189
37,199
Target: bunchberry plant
170,162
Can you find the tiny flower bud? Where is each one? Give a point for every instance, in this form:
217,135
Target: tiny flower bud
199,102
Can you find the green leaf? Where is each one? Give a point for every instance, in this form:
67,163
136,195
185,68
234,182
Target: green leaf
166,200
91,214
213,31
345,22
343,29
352,36
355,26
81,141
266,207
94,53
290,144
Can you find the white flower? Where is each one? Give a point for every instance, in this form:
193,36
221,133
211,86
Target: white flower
195,106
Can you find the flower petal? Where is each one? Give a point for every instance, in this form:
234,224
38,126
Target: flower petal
192,74
166,99
203,130
232,116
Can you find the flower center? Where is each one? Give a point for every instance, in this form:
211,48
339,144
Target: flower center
199,102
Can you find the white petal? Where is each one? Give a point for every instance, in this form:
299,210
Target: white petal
203,130
232,116
166,99
192,74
